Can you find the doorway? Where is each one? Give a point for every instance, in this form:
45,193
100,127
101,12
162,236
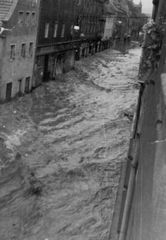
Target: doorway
20,86
8,91
46,72
27,84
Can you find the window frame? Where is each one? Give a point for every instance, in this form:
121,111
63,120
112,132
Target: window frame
31,46
12,51
23,50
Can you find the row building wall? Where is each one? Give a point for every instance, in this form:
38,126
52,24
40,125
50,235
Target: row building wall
71,30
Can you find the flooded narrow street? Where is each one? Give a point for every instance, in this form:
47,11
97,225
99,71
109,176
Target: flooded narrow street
63,149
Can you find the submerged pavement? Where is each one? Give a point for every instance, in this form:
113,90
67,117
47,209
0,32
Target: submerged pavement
63,148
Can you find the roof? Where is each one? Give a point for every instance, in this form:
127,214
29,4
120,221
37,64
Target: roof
5,8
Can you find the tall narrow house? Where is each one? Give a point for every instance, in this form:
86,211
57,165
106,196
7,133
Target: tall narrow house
18,31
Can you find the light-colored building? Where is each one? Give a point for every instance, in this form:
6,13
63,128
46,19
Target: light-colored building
109,27
18,31
110,19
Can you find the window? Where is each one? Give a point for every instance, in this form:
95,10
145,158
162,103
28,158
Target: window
46,31
63,31
20,85
31,49
23,50
12,52
20,17
55,30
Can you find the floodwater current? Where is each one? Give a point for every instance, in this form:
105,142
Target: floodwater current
63,148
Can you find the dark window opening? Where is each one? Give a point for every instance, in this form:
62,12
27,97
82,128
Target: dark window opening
27,84
12,52
23,50
20,85
8,91
31,49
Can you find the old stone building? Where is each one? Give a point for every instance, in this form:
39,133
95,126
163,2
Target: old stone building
18,25
55,41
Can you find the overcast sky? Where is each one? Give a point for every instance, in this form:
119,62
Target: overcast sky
147,5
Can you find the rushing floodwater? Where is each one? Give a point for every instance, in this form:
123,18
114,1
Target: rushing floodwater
72,135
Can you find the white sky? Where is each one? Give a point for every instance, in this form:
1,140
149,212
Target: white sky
147,5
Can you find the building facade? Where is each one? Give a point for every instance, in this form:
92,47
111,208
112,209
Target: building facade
40,39
71,29
55,41
91,21
18,26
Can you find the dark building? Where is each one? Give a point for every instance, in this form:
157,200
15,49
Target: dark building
55,49
67,30
90,19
